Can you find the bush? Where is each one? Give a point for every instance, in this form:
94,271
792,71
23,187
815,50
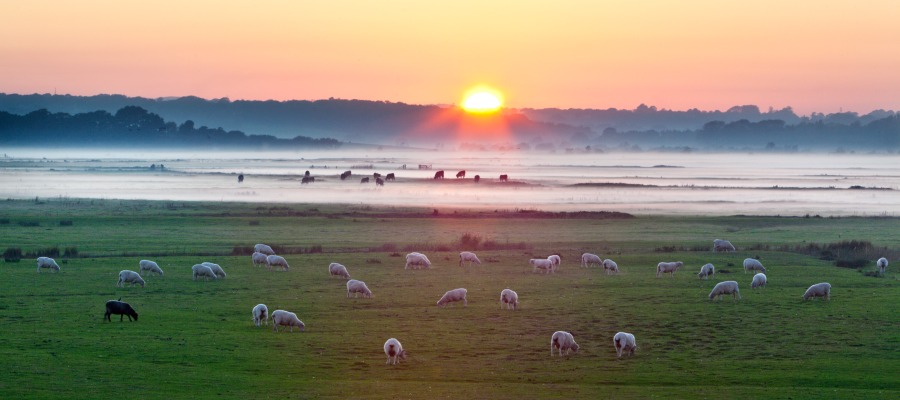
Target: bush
254,223
65,223
71,252
241,250
470,241
4,221
12,254
373,261
29,223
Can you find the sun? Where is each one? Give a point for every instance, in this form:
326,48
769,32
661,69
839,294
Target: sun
482,100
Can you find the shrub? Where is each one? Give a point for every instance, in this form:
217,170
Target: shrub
241,250
29,223
254,223
470,241
71,252
12,254
373,261
65,223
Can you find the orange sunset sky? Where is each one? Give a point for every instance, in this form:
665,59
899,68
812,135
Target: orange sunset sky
812,55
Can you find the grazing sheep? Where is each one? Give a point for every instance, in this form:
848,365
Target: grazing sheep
706,271
216,269
259,259
542,264
624,343
882,264
504,178
394,351
265,249
722,245
555,260
335,269
47,262
260,314
610,266
277,261
588,259
204,271
121,309
417,259
128,276
818,290
753,265
364,180
356,287
454,296
468,256
668,267
439,175
510,298
150,267
723,288
286,318
563,342
759,280
461,174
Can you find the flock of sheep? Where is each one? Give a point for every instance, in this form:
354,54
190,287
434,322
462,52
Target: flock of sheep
562,342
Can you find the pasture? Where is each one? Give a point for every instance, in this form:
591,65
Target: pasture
196,338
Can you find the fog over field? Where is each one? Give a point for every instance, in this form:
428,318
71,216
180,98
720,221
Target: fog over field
639,182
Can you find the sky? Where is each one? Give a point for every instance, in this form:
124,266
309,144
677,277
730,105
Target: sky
815,56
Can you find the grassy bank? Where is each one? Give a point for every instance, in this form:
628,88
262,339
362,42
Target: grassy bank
196,338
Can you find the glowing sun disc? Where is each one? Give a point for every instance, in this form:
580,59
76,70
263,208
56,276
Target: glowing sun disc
482,101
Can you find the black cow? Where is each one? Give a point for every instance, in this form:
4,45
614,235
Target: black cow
120,308
389,177
439,175
306,174
240,178
461,174
364,180
376,175
504,178
379,182
345,175
307,179
477,178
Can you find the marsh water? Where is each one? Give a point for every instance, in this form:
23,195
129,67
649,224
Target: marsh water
638,183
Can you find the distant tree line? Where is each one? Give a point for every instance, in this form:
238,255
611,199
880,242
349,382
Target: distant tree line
130,126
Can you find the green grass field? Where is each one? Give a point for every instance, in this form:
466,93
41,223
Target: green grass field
196,339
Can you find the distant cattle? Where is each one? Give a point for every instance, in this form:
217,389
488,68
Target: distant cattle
439,175
389,177
308,179
306,174
477,178
364,180
240,178
345,175
461,174
379,182
376,175
504,178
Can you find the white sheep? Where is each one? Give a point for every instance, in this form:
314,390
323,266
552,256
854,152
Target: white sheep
259,259
335,269
722,245
203,271
588,259
277,261
454,296
263,248
563,342
260,315
882,264
510,298
818,290
468,256
128,276
759,280
668,268
286,318
417,259
394,351
541,263
610,266
356,287
47,262
555,260
624,343
723,288
706,271
150,266
753,265
216,269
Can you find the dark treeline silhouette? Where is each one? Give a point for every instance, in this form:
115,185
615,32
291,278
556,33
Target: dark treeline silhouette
130,126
